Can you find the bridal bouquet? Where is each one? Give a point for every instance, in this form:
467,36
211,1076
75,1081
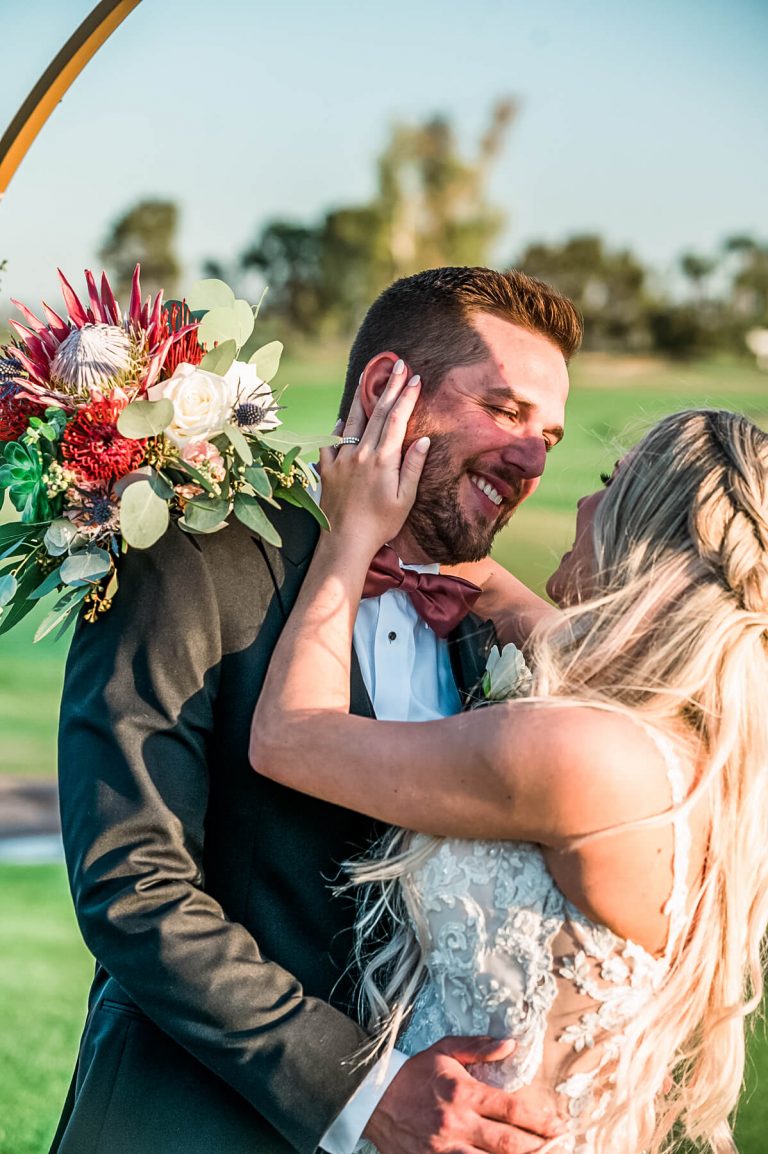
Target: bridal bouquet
113,424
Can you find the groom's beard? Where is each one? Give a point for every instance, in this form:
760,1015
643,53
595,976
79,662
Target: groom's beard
444,530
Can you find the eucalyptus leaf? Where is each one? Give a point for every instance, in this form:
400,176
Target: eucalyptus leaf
142,419
21,605
220,359
209,294
245,321
13,531
259,479
282,440
86,567
161,485
8,587
302,498
144,516
267,360
260,302
249,511
203,515
217,327
239,443
52,582
61,613
112,586
59,536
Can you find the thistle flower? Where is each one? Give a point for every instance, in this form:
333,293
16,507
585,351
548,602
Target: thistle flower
41,340
93,510
94,449
256,407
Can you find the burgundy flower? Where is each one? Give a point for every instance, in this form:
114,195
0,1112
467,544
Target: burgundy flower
94,449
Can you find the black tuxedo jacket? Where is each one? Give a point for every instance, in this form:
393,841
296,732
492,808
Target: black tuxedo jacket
219,1019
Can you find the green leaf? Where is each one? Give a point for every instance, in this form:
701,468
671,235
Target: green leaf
249,511
203,515
142,419
60,614
52,581
8,587
245,320
220,359
190,471
238,443
283,440
13,531
209,294
112,586
290,457
21,606
217,327
260,302
267,360
298,496
161,485
258,478
59,536
144,516
86,567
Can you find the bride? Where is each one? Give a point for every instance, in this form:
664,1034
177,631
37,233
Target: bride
589,873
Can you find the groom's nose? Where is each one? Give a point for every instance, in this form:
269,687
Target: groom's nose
525,456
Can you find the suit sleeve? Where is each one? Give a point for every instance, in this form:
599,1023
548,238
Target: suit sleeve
136,720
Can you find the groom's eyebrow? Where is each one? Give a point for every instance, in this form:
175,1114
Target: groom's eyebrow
506,393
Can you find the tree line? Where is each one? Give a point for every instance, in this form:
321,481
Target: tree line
431,206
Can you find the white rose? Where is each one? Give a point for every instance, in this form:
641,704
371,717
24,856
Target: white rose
506,674
202,403
250,389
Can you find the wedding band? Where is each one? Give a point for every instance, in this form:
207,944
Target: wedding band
348,441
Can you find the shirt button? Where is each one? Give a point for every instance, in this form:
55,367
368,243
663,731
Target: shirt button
392,636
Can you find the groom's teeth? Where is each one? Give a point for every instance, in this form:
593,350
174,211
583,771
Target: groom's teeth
486,487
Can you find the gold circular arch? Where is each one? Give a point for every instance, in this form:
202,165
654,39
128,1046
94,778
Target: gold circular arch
57,78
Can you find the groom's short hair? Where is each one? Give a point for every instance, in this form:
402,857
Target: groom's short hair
426,319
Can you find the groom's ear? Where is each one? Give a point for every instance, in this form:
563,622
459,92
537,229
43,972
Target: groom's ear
374,378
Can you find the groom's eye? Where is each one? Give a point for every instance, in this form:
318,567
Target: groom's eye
505,413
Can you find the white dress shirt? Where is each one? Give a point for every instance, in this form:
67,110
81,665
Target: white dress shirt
406,668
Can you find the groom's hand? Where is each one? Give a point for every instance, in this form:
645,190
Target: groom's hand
433,1106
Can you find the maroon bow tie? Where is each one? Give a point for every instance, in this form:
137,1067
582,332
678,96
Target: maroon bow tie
441,601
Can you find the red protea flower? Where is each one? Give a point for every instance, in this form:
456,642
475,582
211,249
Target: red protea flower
185,349
94,449
40,341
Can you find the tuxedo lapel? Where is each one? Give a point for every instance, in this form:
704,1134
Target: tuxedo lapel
289,565
469,646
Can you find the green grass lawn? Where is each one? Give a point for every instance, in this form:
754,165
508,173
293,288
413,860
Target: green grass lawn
44,977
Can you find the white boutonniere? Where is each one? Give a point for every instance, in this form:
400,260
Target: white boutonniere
506,675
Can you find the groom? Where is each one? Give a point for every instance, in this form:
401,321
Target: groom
220,1017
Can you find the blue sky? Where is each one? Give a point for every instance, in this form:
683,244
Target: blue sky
644,120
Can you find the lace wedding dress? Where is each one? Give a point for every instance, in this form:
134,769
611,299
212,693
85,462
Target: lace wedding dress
508,955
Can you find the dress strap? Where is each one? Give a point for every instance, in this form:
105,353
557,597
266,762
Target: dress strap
676,905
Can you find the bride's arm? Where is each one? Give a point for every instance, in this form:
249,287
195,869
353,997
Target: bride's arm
535,771
514,608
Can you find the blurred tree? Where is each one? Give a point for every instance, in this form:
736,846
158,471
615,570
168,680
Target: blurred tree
145,234
697,270
430,208
749,286
608,287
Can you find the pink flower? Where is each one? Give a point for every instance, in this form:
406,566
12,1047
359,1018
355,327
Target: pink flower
188,492
206,457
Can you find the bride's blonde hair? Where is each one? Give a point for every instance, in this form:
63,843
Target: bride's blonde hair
675,632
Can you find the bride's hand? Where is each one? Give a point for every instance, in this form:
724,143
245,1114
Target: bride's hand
369,487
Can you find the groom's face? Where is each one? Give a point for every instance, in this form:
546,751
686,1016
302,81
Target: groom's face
491,426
